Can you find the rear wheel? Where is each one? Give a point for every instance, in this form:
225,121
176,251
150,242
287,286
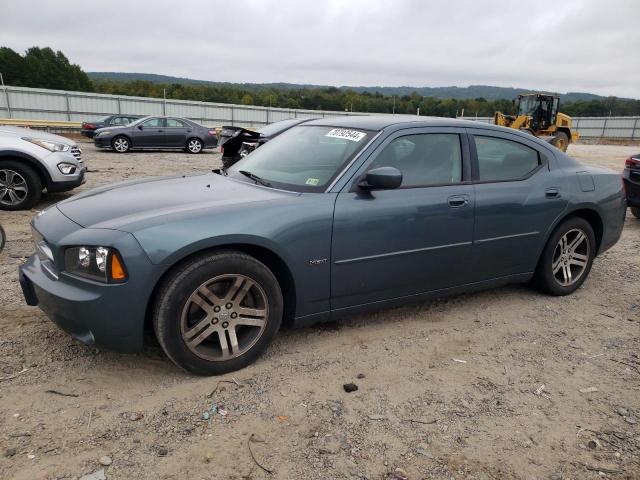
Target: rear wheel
194,145
635,211
121,144
218,312
20,186
567,258
561,141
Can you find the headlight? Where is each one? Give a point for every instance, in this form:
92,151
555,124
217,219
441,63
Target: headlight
101,264
51,146
67,168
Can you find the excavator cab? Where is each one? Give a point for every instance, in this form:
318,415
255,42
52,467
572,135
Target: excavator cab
541,109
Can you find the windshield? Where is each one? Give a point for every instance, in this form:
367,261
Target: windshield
304,158
275,128
528,105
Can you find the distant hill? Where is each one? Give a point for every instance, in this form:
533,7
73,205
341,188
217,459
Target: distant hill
472,91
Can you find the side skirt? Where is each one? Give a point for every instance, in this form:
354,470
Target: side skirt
307,320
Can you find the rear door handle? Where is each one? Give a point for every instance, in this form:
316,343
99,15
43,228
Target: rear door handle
552,193
457,201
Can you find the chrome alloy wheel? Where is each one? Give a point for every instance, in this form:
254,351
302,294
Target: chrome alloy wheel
13,187
224,317
121,145
194,145
571,257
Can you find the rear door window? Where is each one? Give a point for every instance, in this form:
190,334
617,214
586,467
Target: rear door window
500,159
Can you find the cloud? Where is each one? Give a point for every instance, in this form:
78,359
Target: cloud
566,46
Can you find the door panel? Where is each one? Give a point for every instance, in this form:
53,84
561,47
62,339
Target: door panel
151,135
392,243
176,133
513,217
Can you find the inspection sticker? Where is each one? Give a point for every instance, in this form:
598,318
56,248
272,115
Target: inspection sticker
352,135
312,181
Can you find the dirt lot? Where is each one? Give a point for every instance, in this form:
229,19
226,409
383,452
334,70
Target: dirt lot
500,384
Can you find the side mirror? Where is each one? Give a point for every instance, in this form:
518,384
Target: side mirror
382,178
140,127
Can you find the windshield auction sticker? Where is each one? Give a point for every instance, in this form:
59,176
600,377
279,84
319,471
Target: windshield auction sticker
352,135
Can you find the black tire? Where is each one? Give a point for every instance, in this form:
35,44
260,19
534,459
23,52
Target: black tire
544,278
635,211
121,144
561,141
194,146
30,180
3,238
173,300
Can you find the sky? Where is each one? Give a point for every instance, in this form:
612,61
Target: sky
578,46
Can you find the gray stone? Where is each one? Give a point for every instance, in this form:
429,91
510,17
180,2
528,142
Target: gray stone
10,452
105,461
623,412
97,475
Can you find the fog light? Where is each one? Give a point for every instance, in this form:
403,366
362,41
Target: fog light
67,168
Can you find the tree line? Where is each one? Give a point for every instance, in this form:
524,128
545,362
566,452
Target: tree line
44,68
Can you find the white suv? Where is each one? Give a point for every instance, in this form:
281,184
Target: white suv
32,160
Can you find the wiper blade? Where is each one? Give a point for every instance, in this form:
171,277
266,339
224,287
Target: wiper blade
255,178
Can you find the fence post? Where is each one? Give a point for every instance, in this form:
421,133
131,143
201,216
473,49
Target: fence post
66,97
119,107
232,116
635,126
604,127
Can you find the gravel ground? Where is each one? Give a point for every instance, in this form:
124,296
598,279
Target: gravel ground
500,384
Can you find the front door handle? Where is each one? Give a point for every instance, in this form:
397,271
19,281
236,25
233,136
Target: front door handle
552,193
457,201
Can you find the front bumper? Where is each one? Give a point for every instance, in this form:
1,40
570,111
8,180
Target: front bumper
102,142
631,179
67,185
105,315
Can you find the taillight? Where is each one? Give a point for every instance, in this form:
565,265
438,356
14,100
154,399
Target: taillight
89,125
221,148
212,133
632,162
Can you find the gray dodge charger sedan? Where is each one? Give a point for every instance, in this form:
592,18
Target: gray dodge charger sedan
335,216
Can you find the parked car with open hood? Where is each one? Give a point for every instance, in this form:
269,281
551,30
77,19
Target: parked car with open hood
238,142
157,133
31,161
88,129
334,216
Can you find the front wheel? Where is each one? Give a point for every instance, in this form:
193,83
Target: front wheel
121,144
194,145
635,211
567,258
20,186
217,312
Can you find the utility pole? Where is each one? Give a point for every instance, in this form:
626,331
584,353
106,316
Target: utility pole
6,95
394,104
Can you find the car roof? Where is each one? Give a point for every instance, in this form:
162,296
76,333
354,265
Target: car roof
380,122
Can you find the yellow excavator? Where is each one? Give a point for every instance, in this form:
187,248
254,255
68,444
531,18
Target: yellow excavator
537,113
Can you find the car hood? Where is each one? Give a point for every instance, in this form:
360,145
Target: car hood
33,133
131,205
112,129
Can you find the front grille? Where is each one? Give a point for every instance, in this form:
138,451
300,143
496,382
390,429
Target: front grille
76,152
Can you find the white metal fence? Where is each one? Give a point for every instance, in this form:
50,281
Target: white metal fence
597,127
57,105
